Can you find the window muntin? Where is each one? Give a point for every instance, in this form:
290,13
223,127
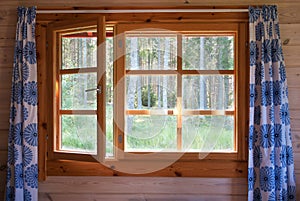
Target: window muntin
78,89
180,73
215,94
109,93
76,108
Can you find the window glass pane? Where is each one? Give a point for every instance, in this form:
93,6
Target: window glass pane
73,91
150,133
151,52
208,133
208,92
208,52
79,133
79,50
109,97
155,92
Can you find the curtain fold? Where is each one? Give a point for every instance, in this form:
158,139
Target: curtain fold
271,166
22,171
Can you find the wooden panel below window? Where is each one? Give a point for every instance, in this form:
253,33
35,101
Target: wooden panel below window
201,168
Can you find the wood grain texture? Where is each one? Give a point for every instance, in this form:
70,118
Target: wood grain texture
4,138
200,168
133,3
294,98
43,98
291,56
295,119
290,32
5,77
297,167
4,120
154,189
288,11
147,185
7,57
293,76
3,161
3,157
140,197
296,146
8,15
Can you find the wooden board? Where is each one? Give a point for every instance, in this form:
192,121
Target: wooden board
8,16
99,188
291,56
297,166
154,185
290,32
7,56
3,137
288,11
150,168
295,119
5,77
296,146
3,160
139,197
294,98
293,76
4,124
142,2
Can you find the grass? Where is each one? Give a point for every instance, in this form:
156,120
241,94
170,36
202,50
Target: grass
152,133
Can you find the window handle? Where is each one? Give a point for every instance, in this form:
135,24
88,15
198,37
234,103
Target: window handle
98,89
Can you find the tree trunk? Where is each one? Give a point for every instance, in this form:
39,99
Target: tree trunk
202,80
220,83
139,93
84,62
158,86
165,78
132,80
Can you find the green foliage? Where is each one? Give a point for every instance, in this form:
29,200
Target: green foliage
153,53
147,92
199,134
79,132
152,133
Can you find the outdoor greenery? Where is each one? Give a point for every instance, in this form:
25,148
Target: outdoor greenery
152,92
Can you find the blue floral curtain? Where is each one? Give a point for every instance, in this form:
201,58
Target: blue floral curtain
22,172
271,165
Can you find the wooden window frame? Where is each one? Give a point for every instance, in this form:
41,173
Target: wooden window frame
187,28
50,163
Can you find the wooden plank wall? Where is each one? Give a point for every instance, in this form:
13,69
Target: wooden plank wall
129,188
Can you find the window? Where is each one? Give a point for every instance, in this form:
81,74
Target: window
179,89
127,96
79,83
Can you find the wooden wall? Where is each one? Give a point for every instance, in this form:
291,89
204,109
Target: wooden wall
128,188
